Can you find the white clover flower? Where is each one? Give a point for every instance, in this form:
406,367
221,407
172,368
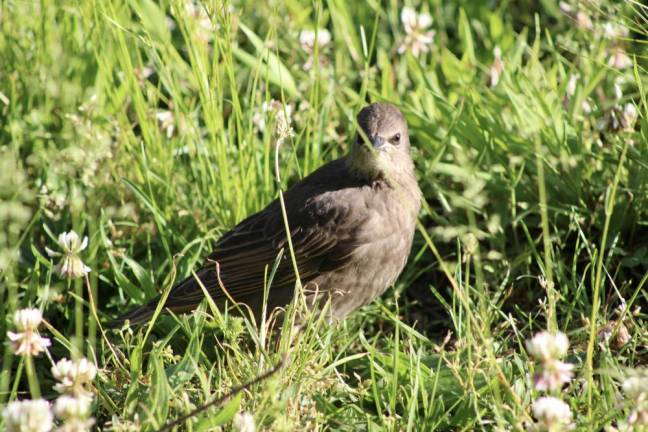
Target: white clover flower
417,35
76,425
71,266
72,376
614,31
496,68
27,319
552,414
74,411
166,119
243,422
308,39
68,407
28,416
636,387
26,341
548,346
619,59
553,375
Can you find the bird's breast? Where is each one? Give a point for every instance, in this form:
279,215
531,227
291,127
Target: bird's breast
382,245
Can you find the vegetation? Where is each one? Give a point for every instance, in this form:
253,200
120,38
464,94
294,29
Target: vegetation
150,127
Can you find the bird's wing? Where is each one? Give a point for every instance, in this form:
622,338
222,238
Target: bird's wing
322,234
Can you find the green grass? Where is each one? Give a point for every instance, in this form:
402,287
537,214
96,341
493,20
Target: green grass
536,212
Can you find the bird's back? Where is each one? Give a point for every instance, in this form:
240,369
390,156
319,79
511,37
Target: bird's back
334,216
349,225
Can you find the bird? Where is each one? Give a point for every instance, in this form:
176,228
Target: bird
351,225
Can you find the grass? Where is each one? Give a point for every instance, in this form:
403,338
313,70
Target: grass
136,123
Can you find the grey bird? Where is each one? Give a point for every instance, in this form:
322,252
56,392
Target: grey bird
351,223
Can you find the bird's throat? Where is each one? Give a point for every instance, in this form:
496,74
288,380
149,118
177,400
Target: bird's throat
366,164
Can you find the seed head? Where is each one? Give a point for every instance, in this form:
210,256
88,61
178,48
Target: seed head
28,416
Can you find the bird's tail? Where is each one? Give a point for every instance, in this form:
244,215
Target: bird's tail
138,316
182,298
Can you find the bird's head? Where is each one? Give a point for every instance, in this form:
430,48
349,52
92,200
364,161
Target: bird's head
382,146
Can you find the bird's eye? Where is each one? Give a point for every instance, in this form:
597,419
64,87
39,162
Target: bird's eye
396,138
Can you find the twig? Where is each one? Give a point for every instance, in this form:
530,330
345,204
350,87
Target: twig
233,392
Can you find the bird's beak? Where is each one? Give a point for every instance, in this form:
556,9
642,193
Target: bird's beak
377,141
